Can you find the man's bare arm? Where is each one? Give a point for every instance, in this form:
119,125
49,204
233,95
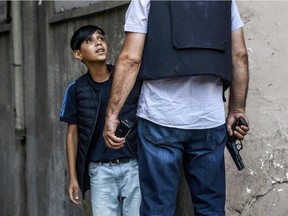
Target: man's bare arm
239,85
125,75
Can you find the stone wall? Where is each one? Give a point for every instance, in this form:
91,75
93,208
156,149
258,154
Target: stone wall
33,170
262,189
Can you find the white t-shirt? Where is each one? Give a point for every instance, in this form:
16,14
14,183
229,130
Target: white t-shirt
188,102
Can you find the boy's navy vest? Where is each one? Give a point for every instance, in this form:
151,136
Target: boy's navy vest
186,38
88,102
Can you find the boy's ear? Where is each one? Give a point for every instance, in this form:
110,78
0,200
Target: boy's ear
77,55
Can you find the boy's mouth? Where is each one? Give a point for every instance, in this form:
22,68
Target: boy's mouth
100,51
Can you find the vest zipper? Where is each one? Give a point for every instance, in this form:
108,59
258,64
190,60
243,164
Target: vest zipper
90,138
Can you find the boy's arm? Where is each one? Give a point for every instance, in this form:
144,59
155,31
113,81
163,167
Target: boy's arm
71,148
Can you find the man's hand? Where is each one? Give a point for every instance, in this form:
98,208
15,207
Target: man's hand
110,139
239,132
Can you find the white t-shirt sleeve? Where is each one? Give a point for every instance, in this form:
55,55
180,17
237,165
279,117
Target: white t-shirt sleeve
235,17
136,18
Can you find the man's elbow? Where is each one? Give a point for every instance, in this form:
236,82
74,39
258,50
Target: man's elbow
130,60
240,57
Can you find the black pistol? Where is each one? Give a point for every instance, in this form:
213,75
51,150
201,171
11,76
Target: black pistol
234,147
123,128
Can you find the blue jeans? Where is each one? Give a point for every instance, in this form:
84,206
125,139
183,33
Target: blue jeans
160,152
115,189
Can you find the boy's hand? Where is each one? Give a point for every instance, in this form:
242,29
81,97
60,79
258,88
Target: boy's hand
74,192
239,132
110,139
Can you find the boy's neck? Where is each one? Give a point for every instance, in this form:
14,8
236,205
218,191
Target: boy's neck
99,72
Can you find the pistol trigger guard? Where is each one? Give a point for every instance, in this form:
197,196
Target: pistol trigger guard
239,145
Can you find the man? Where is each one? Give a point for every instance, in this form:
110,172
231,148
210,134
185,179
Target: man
187,56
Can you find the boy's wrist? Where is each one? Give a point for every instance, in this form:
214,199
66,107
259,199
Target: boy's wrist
72,177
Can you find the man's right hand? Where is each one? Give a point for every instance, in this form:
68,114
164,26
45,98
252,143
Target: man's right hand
111,140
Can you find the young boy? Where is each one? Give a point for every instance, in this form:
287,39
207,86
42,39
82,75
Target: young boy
111,174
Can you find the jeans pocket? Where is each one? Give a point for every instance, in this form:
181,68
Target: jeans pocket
157,134
217,136
93,167
133,162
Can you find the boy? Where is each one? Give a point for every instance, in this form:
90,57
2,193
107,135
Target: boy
111,174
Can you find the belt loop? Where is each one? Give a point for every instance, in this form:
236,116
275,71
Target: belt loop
112,163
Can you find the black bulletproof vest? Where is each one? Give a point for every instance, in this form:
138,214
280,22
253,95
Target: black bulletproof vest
187,38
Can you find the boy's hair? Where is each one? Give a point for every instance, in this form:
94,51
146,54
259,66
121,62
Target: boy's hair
82,34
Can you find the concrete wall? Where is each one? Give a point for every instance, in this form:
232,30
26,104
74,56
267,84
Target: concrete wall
33,170
11,149
262,189
50,70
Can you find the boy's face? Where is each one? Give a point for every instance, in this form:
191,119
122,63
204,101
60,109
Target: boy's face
93,49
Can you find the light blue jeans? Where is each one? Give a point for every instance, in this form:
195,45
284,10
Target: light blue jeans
115,189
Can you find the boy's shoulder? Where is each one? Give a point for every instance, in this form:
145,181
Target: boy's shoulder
70,88
82,77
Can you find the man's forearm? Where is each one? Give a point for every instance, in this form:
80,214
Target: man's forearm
240,81
126,71
123,82
239,87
